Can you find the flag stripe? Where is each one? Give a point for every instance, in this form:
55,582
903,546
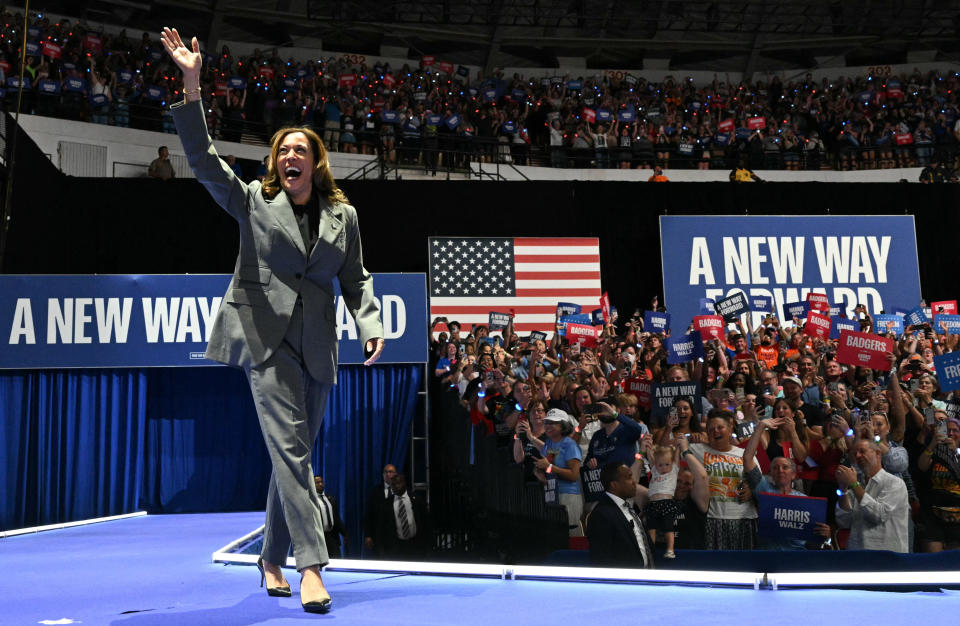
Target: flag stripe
583,291
546,241
554,250
557,285
564,276
556,258
491,303
559,267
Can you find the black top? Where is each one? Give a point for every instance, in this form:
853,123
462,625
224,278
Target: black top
308,218
690,526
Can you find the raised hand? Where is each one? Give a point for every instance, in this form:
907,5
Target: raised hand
188,61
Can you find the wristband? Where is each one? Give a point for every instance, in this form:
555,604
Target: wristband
549,468
853,485
190,92
928,452
686,452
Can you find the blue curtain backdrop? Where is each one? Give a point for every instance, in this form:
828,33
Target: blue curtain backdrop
71,445
82,444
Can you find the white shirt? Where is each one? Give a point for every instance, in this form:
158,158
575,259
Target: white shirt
326,513
404,501
623,505
879,520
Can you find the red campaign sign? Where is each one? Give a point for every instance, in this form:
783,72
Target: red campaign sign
221,88
864,349
904,139
726,126
818,325
427,61
756,123
582,334
267,72
52,50
93,43
348,80
588,115
818,301
710,326
944,306
640,388
5,66
389,80
605,306
446,68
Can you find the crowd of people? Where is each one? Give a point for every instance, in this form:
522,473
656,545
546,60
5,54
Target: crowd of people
440,115
774,413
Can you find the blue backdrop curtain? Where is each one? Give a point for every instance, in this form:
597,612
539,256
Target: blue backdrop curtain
71,445
82,444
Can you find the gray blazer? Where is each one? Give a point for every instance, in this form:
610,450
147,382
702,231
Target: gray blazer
273,266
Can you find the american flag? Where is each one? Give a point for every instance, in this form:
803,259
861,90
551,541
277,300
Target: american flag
472,276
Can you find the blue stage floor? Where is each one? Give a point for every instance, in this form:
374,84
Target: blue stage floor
155,570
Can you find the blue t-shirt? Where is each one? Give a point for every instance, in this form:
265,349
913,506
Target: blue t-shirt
559,453
619,446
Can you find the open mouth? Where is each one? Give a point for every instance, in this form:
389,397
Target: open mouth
292,172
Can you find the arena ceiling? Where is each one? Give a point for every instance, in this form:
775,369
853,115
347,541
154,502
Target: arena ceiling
722,35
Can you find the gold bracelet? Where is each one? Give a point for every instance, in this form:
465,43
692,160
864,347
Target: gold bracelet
190,93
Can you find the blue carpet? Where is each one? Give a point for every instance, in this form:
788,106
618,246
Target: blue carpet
156,570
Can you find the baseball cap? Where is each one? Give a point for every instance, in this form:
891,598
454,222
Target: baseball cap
792,379
558,416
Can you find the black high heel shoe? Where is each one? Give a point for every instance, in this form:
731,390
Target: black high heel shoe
276,592
316,606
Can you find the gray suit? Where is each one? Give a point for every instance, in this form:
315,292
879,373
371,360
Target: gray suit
278,323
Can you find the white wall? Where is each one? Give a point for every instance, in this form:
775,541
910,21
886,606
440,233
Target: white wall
129,151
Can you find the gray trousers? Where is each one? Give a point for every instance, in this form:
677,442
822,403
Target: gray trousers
290,406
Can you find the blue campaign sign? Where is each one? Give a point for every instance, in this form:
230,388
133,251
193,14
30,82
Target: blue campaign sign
125,77
98,100
662,396
50,87
153,92
946,324
537,335
684,348
796,309
604,115
839,322
596,317
706,307
948,370
389,117
732,307
498,321
74,84
574,85
579,318
33,48
519,95
289,83
863,259
567,308
509,127
885,322
236,82
490,94
434,119
627,115
761,303
453,121
13,82
164,320
789,517
916,317
835,309
654,322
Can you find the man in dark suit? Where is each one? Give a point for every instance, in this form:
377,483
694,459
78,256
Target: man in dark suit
375,505
617,537
403,532
333,526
